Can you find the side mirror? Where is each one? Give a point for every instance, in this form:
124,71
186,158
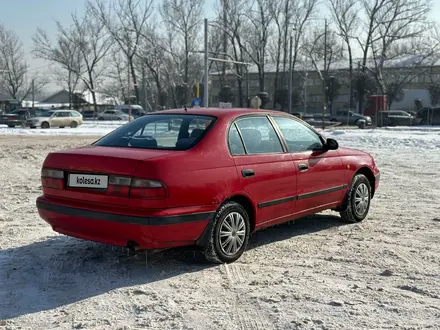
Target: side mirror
331,144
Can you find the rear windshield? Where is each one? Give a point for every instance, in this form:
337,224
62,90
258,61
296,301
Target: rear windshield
160,131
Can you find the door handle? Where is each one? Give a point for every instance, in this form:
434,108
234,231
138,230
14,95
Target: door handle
247,173
303,167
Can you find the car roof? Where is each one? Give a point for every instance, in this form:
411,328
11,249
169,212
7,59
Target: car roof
220,112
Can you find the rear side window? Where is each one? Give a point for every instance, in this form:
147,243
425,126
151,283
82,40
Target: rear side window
234,140
259,136
160,131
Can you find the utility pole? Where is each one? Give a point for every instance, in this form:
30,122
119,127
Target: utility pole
128,88
324,82
33,93
305,87
144,88
290,76
206,65
248,100
225,36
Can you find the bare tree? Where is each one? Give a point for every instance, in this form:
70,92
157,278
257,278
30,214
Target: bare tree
63,52
124,20
346,18
257,32
93,43
116,85
234,29
15,80
69,79
388,23
399,22
184,17
290,18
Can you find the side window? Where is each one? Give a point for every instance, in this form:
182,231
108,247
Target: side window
74,114
259,136
235,144
298,136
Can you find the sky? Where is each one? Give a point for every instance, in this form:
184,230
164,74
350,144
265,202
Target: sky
25,16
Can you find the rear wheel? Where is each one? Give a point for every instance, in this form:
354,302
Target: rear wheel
424,122
101,118
357,203
230,234
45,125
11,126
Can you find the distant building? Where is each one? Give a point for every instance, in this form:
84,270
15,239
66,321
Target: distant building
80,100
306,80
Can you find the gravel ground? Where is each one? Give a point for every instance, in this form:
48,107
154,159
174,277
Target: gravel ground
315,273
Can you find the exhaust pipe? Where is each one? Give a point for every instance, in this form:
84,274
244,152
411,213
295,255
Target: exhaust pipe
133,246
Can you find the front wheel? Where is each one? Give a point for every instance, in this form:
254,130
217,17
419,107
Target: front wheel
229,235
357,203
73,124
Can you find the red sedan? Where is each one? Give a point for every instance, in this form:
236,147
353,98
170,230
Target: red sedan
206,177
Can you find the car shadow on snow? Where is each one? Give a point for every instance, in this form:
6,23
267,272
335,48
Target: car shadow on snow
62,270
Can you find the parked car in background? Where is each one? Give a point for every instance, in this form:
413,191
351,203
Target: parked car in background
246,170
89,114
349,117
303,116
429,116
56,118
18,117
114,115
395,118
135,109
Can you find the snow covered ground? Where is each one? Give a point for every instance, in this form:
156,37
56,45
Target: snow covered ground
315,273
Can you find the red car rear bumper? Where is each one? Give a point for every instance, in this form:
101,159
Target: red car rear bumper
154,230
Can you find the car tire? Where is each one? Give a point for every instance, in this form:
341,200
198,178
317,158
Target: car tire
11,126
45,125
216,249
100,118
333,120
424,122
73,124
357,200
119,118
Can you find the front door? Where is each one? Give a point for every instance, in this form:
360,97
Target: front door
321,175
265,169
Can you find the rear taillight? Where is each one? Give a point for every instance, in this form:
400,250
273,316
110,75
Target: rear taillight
52,178
141,188
135,188
119,186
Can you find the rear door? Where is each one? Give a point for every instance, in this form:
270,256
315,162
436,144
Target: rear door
264,167
321,175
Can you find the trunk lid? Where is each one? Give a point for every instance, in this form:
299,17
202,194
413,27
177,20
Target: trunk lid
95,161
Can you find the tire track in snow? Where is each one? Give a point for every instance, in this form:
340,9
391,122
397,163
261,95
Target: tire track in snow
245,313
414,261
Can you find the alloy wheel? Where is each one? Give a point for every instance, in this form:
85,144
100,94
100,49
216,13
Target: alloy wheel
361,199
232,233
